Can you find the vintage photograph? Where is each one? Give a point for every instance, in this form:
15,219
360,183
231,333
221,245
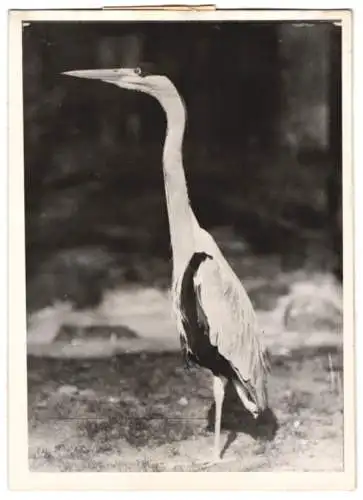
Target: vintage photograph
184,245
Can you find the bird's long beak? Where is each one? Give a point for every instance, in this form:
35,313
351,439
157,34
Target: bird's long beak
107,75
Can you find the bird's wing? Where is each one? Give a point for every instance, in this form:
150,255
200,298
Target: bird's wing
232,323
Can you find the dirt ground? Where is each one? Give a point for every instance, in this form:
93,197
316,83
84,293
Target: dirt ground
107,389
145,412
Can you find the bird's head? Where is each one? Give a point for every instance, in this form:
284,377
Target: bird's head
139,79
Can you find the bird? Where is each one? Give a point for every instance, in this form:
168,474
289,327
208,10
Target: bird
213,313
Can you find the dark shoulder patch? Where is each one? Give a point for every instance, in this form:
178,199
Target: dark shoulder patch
189,299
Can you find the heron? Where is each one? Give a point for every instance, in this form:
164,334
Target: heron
214,316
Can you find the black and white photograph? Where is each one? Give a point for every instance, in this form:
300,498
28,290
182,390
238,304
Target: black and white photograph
183,244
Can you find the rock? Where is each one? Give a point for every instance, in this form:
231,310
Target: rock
315,304
283,352
42,404
44,325
183,401
306,314
113,399
76,342
87,393
69,390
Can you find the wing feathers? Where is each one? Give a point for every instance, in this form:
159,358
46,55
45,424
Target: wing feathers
232,323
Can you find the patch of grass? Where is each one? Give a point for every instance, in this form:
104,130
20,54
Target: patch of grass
146,413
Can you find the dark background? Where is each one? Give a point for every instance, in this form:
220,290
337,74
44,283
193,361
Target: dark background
262,150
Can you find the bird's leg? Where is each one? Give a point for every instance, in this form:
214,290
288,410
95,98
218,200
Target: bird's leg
242,393
219,387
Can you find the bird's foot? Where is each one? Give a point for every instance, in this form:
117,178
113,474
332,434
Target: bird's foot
208,462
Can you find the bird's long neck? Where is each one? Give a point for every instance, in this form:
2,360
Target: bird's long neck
181,217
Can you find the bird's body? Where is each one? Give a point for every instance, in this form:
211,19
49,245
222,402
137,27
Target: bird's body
215,331
218,328
214,316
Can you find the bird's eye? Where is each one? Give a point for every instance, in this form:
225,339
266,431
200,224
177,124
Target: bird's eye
138,71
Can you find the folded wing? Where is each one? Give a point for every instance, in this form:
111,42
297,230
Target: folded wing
232,324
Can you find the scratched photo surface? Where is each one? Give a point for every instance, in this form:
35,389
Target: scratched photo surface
183,246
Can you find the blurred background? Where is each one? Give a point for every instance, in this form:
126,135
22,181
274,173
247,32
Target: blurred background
262,150
262,153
